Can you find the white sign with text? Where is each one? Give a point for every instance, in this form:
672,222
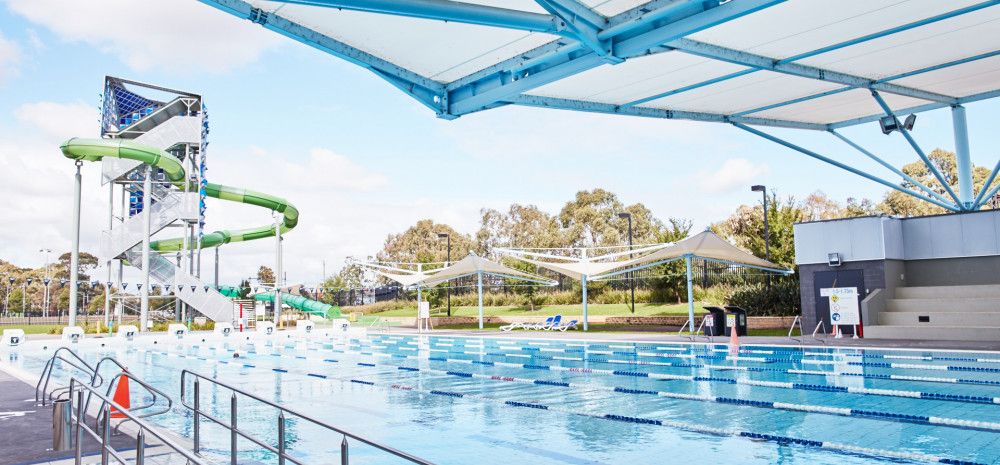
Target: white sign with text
843,305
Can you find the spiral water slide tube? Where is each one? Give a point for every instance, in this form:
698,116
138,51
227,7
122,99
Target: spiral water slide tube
306,305
97,149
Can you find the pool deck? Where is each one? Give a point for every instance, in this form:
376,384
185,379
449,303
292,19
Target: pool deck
26,428
745,340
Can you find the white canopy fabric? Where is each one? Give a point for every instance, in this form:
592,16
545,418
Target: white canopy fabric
703,245
474,264
794,63
406,280
576,269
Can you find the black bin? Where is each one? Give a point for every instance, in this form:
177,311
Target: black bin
741,320
716,325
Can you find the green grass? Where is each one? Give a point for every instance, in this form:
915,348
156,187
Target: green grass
641,309
36,329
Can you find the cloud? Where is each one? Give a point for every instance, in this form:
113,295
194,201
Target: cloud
60,120
153,34
10,57
734,173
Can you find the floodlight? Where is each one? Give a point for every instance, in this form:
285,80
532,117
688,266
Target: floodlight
757,188
624,215
888,124
908,123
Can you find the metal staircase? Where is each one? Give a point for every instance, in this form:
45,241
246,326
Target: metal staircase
169,127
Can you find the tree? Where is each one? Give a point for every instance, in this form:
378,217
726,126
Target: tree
591,219
420,244
519,226
86,263
899,204
265,275
745,228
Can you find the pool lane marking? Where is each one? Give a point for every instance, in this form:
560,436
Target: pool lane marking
783,440
715,347
772,370
806,361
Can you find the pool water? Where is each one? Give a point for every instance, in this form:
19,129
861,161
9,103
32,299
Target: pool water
456,400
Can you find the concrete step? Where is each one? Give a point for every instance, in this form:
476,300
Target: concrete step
933,333
940,318
947,292
975,304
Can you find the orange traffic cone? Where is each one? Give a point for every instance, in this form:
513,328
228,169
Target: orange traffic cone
121,397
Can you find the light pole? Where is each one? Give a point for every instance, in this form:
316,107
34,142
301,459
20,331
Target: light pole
767,230
631,281
6,297
24,292
46,280
447,263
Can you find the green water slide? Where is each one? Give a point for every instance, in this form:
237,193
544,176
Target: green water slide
97,149
298,302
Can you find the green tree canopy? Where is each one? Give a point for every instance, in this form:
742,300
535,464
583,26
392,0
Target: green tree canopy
899,204
421,243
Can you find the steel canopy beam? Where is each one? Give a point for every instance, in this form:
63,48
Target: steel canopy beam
689,17
842,166
595,107
425,90
760,62
584,24
446,10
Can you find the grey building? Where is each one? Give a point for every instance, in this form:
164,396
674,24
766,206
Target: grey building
931,277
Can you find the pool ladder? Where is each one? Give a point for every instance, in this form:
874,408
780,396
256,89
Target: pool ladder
77,395
235,433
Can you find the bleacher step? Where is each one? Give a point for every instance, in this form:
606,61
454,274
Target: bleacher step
933,333
958,305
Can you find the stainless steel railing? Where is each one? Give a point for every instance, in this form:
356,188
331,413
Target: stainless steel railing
78,391
67,356
235,433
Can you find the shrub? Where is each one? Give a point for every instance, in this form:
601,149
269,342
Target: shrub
780,299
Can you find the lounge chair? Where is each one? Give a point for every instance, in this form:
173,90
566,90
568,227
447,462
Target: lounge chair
514,326
570,325
549,323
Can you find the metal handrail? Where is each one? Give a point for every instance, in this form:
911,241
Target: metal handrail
42,386
685,325
235,433
155,394
104,437
819,325
796,321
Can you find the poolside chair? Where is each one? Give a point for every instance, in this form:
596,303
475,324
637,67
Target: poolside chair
570,325
514,326
548,325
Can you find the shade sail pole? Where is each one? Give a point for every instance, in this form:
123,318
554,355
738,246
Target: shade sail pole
583,284
690,286
479,289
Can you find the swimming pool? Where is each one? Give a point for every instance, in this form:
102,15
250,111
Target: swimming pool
458,400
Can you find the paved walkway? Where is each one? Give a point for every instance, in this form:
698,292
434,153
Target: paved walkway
761,340
26,427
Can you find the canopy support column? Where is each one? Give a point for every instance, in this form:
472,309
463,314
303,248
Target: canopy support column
147,200
690,289
479,289
74,260
583,284
963,160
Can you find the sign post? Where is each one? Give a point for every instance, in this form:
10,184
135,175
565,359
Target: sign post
843,307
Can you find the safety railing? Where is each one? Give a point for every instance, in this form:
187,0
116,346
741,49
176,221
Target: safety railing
151,405
235,433
693,335
67,356
80,393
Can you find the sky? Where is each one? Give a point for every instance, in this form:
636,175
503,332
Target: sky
359,158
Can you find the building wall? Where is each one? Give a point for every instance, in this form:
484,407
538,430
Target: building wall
874,274
953,271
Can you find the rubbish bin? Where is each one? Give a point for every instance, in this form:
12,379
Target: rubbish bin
741,320
716,324
62,425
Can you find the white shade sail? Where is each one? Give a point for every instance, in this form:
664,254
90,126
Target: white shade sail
703,245
474,264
